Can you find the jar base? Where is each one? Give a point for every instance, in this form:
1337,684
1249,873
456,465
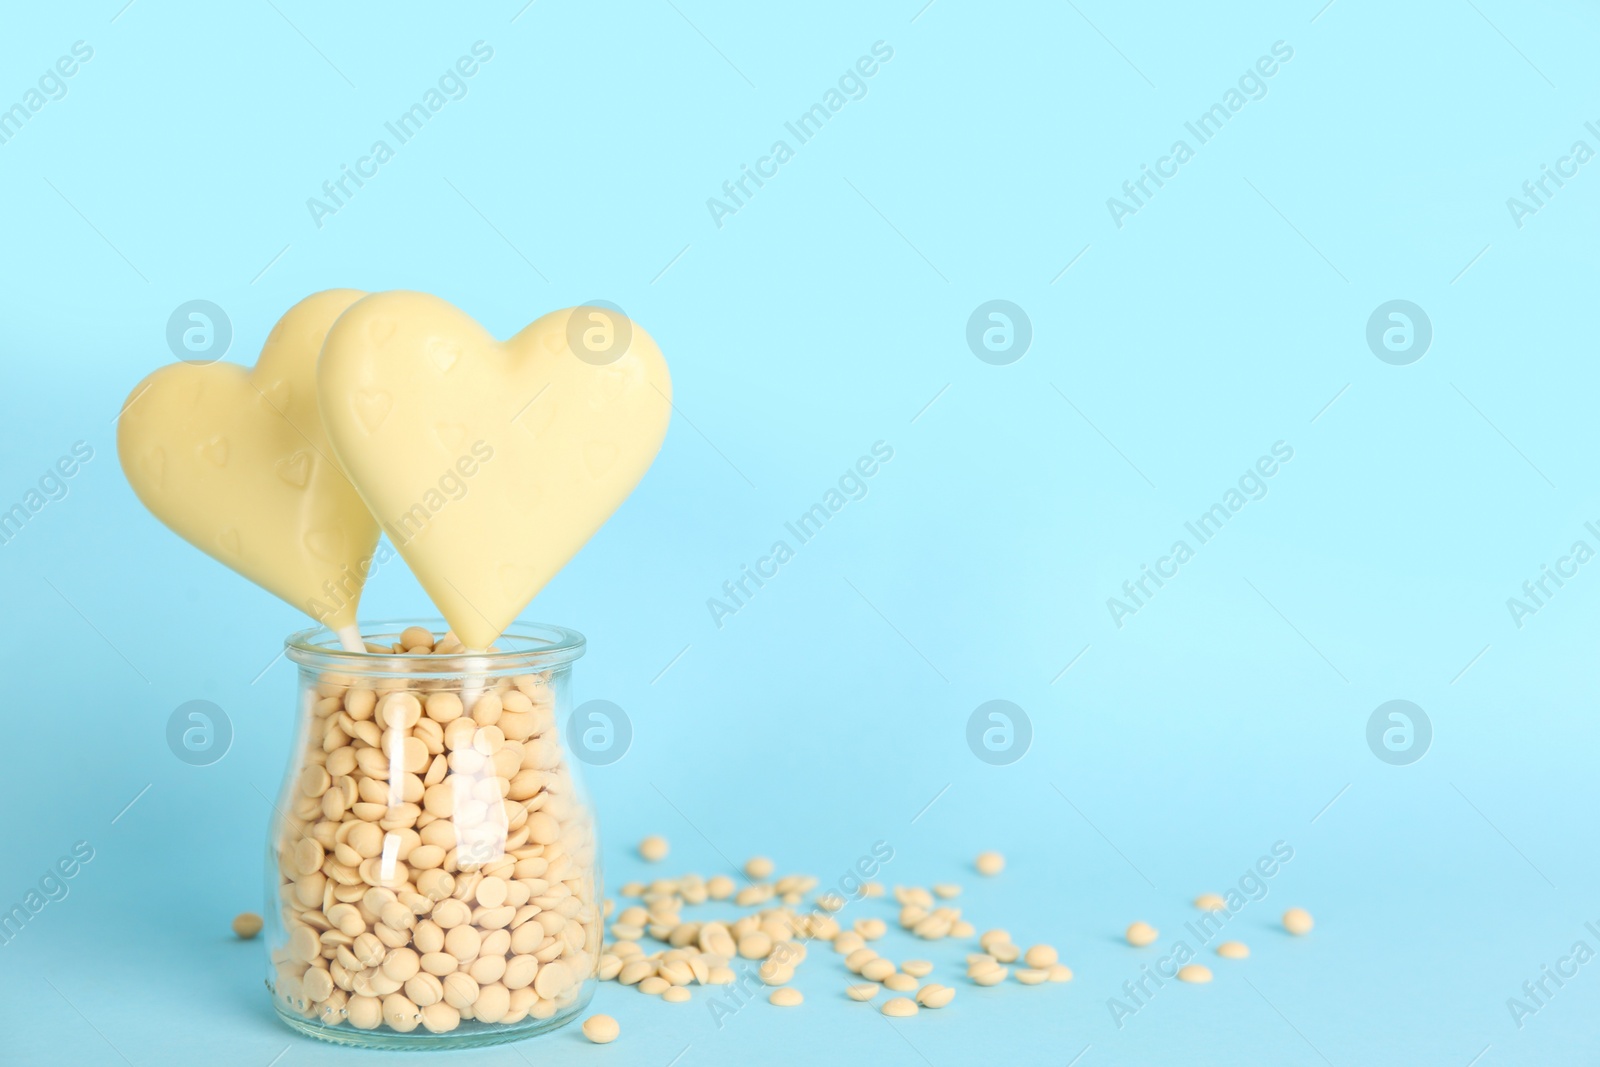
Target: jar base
467,1035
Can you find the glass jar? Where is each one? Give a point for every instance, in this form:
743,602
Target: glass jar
433,874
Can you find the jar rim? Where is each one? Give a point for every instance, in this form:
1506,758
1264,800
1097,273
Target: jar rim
524,646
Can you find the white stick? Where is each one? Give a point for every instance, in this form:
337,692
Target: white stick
472,687
350,638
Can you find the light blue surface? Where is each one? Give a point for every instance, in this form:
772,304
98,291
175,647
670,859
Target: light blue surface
829,313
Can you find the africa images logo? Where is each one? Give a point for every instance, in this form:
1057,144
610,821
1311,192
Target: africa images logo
1252,85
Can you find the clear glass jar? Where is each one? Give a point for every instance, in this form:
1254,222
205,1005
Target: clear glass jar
433,872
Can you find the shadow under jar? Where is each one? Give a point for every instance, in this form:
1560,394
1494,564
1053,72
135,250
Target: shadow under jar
433,874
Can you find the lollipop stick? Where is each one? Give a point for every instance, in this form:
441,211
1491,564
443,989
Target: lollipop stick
472,685
350,638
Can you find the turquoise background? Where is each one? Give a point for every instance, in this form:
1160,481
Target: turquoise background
829,313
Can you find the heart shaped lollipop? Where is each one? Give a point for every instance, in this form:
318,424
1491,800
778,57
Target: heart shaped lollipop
237,463
490,464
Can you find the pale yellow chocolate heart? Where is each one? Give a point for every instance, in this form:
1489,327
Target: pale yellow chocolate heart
235,460
489,464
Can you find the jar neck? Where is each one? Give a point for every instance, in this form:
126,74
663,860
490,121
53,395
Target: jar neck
524,648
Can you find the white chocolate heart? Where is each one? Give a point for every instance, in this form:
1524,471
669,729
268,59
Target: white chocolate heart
489,464
235,460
